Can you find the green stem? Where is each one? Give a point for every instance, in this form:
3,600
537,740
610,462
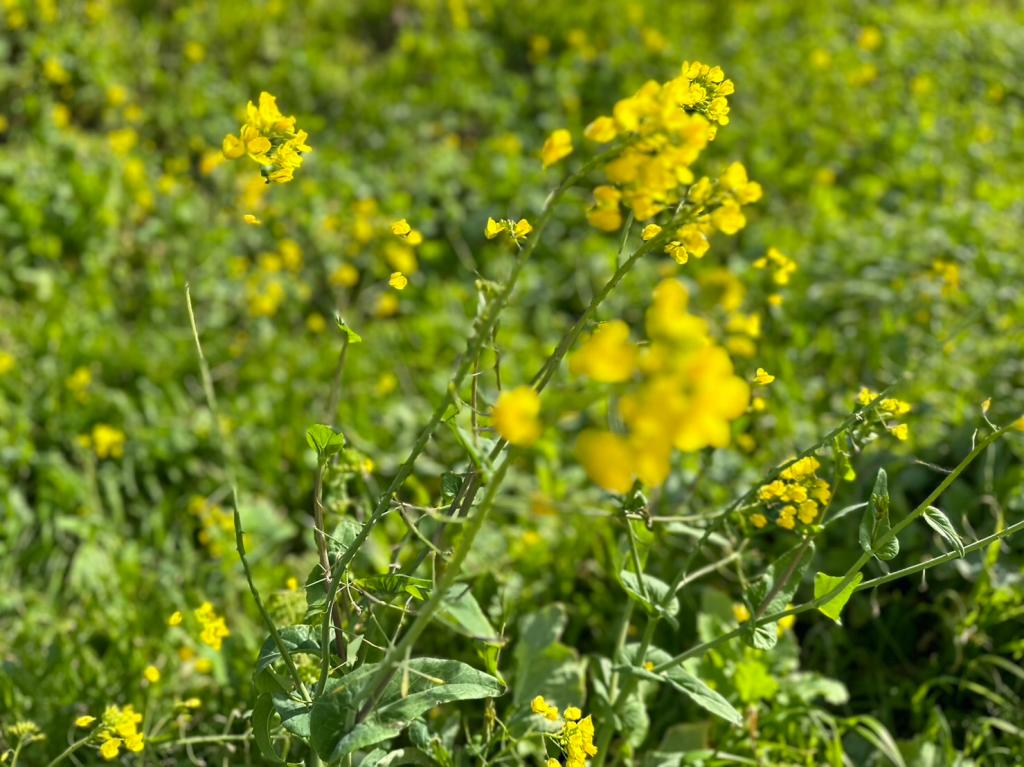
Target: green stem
400,650
485,327
859,564
62,755
227,446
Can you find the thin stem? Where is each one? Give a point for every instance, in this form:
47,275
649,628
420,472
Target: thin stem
483,331
858,565
227,446
62,755
400,650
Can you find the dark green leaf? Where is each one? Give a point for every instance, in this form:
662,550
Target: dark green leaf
875,526
657,590
261,714
296,639
940,523
682,680
425,684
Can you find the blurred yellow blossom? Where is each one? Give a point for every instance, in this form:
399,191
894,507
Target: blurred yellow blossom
515,416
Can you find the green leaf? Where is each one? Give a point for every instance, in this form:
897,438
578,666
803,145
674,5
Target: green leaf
940,523
325,440
792,565
423,684
543,665
261,714
754,681
874,525
681,680
300,639
294,715
657,590
824,584
353,336
461,611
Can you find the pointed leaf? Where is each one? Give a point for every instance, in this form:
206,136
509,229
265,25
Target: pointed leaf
261,713
657,591
425,684
681,680
296,639
875,526
825,584
325,440
940,523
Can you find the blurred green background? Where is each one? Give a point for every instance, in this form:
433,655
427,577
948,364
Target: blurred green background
888,137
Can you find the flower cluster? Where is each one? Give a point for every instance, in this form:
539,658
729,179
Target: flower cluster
889,409
576,737
119,728
665,126
214,628
516,230
797,495
105,440
269,139
681,393
781,265
217,524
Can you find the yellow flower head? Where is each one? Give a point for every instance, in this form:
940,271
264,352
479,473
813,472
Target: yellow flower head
557,146
494,228
249,218
398,281
400,228
515,416
762,377
84,721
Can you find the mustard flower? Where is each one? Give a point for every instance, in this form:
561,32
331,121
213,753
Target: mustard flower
557,146
515,416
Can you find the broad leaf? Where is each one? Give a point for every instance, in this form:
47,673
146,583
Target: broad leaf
261,714
825,584
300,639
461,611
940,523
325,440
657,591
682,680
875,526
424,684
778,590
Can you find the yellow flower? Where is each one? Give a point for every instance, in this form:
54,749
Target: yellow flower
345,276
84,721
572,714
515,416
175,618
249,218
901,432
1019,424
400,228
494,228
758,520
6,362
728,219
602,130
521,229
107,441
763,377
786,622
607,355
110,748
292,584
398,281
650,232
152,674
869,38
557,146
607,459
740,612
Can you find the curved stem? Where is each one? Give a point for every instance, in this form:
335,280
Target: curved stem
62,755
399,651
863,560
227,446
